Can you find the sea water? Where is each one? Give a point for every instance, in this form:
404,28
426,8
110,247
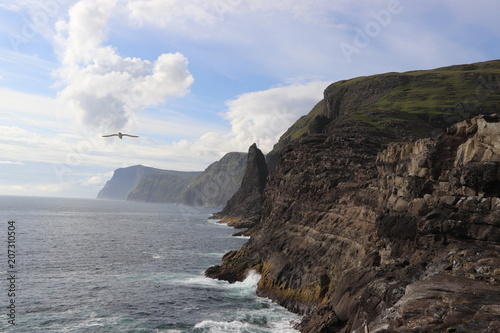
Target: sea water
84,265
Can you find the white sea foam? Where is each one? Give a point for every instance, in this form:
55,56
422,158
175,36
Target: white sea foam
158,256
242,237
209,326
270,318
211,254
217,222
249,284
202,281
222,327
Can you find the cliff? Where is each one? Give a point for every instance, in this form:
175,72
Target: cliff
124,181
215,186
165,186
244,208
212,187
386,217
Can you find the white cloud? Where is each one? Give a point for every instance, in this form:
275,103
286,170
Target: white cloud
37,189
258,117
192,14
175,126
178,14
10,6
103,88
18,102
97,180
11,163
264,116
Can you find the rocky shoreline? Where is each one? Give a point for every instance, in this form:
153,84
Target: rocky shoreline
369,228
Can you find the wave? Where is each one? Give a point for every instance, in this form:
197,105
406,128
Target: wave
260,325
268,317
222,327
242,237
247,285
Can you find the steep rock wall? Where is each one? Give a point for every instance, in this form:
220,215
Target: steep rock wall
367,228
217,184
244,208
125,180
357,235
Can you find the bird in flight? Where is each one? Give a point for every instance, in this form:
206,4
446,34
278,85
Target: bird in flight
120,135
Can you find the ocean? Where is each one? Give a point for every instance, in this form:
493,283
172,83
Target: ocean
84,265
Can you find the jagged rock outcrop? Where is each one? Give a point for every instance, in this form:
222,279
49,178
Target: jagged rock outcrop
244,208
366,227
217,184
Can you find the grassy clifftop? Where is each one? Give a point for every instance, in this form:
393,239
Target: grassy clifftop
419,101
414,104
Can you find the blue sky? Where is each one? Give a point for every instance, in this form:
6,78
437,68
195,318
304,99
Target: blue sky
196,79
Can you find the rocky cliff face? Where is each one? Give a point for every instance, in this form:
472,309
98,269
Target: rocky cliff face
124,181
366,227
215,186
212,187
166,187
244,208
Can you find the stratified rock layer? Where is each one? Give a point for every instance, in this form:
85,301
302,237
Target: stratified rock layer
372,222
350,236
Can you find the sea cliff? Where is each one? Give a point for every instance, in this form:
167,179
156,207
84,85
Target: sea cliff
382,212
212,187
244,208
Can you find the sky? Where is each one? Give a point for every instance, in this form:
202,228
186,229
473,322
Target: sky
196,79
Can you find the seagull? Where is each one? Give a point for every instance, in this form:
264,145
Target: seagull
120,135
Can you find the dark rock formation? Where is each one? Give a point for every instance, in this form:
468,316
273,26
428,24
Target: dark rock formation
217,184
366,227
243,210
312,123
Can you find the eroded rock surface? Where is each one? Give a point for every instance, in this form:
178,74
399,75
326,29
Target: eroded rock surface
385,217
358,233
244,208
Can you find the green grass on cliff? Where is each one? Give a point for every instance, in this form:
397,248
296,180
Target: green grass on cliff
416,103
427,100
300,128
231,162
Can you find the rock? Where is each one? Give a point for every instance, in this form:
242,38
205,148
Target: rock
217,183
213,187
444,303
243,210
370,224
125,181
